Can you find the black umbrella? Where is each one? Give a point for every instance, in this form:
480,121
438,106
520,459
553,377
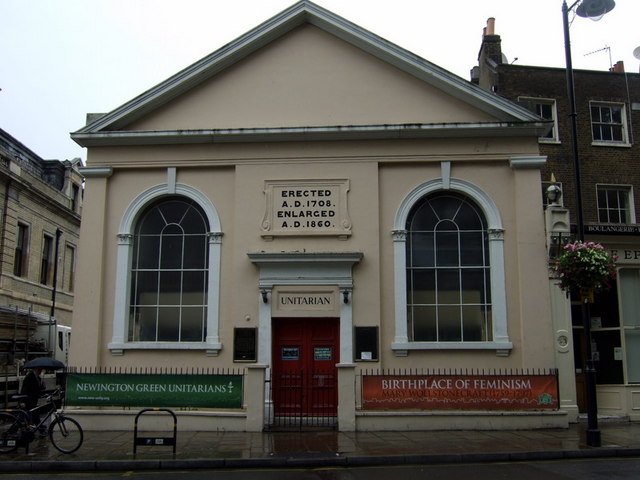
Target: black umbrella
44,362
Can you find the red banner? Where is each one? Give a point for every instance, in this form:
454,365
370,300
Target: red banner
460,392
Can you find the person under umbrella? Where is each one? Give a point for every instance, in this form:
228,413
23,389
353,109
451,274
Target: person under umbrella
32,386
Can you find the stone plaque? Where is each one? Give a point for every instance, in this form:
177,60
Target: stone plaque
306,207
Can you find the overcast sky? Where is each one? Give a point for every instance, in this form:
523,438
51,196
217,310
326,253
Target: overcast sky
60,59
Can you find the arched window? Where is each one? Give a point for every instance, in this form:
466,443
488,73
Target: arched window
167,290
448,271
169,273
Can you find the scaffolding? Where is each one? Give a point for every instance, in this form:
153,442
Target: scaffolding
17,345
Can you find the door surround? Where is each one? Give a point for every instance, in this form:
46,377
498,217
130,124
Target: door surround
302,270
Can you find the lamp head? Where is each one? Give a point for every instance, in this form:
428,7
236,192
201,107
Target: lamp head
554,193
595,9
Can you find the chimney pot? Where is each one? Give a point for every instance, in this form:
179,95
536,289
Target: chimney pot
491,26
618,67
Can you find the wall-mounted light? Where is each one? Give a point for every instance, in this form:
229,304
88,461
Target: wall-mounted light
554,194
345,296
265,295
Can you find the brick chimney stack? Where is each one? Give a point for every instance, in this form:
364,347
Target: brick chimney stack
618,67
489,57
490,48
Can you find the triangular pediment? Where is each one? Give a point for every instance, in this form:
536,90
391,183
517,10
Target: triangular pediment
307,72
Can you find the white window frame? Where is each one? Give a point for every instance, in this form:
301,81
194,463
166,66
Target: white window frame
500,339
623,114
119,342
554,138
628,189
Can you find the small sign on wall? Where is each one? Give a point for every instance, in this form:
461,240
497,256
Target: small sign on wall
305,301
617,353
366,340
290,353
244,345
322,353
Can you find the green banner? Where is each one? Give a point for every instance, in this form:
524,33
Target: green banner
154,390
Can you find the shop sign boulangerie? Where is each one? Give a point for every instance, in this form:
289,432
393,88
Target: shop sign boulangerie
149,390
460,392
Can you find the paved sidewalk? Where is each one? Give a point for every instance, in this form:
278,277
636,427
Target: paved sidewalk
114,450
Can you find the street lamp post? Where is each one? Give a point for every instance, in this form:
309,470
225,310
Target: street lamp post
593,9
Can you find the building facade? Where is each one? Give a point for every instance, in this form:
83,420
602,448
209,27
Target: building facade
608,114
41,211
311,198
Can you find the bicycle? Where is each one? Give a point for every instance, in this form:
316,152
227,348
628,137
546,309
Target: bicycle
17,427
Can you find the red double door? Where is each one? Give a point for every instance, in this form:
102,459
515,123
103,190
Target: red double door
304,376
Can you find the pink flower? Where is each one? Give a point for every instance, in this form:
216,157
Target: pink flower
585,266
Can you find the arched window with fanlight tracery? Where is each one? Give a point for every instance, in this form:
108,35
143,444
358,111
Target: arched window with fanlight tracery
169,273
448,270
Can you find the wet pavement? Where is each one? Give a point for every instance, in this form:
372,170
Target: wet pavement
113,450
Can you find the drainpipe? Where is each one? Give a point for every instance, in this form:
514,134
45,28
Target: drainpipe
52,338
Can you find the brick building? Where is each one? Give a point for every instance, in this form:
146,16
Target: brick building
608,115
41,204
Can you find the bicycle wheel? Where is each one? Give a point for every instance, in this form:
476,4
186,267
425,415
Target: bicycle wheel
66,434
9,432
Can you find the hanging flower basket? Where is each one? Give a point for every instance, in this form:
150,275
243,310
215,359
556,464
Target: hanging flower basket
585,268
